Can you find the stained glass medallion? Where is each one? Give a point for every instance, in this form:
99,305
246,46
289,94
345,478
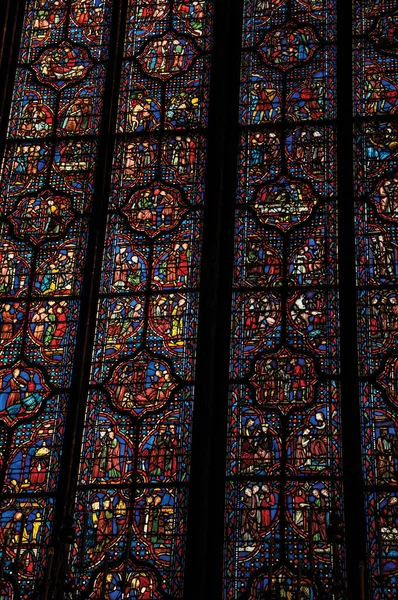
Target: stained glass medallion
167,56
41,216
288,46
284,203
61,66
154,209
283,380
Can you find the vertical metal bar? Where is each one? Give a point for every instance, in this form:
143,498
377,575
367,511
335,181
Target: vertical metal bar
20,540
14,24
47,576
3,556
355,524
204,566
12,32
270,572
4,15
362,581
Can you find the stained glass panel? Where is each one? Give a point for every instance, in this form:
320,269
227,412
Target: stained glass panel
284,487
47,186
131,505
376,161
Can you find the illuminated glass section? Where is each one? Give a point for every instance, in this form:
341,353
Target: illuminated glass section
131,502
284,487
47,183
376,191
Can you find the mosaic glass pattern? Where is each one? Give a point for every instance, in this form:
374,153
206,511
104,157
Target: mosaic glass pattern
376,165
131,504
284,491
47,185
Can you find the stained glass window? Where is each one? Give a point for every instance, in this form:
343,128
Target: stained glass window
104,247
47,186
284,455
131,502
376,135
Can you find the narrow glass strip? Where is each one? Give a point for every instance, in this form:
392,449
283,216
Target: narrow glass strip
375,62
